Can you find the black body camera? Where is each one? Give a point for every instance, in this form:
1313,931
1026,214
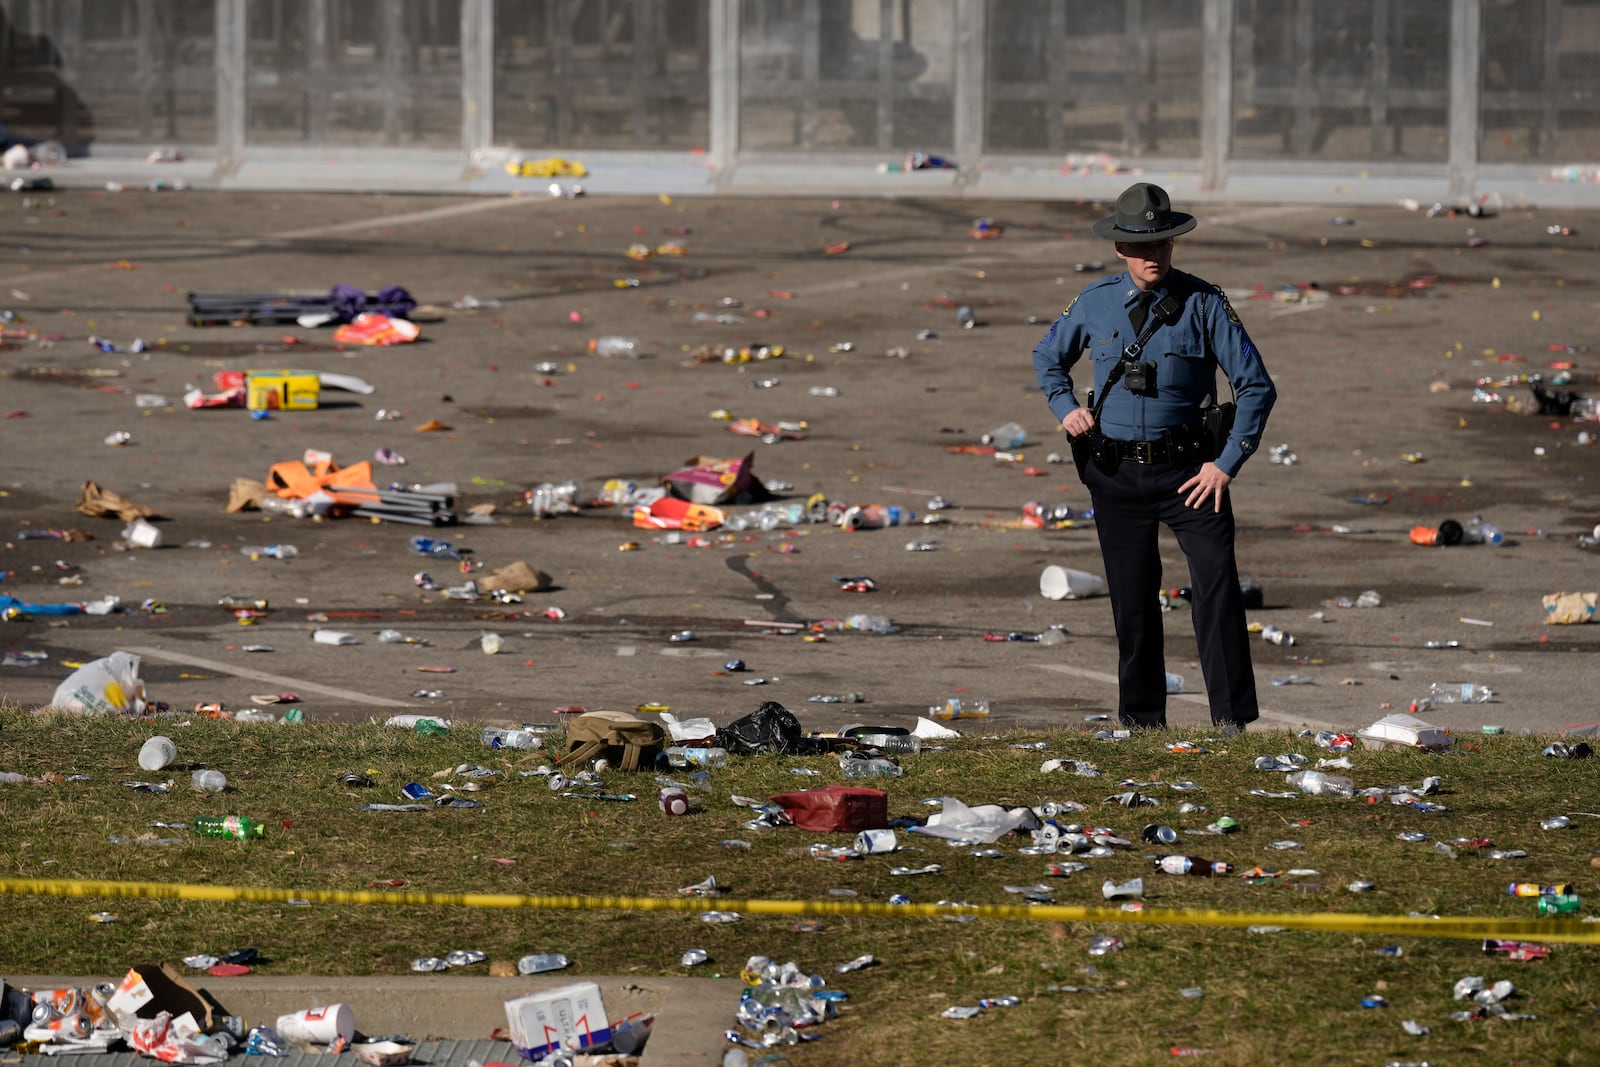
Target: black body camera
1140,376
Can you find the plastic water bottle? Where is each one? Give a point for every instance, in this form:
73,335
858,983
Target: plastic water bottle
875,516
1479,532
1192,865
277,505
427,546
1458,693
240,826
209,781
613,345
1276,635
270,551
896,744
540,962
1006,437
956,708
501,737
1321,784
687,756
856,767
1174,682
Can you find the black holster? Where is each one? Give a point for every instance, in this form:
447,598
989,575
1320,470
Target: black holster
1095,447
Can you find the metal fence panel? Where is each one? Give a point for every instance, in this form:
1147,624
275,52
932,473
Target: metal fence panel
602,73
354,72
1540,82
1359,80
108,71
1092,79
847,75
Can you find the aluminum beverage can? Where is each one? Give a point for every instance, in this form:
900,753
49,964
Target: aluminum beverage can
1560,904
62,1001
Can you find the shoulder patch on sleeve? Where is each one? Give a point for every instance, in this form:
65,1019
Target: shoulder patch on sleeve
1227,309
1068,309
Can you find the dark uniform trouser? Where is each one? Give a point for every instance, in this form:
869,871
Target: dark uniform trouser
1129,508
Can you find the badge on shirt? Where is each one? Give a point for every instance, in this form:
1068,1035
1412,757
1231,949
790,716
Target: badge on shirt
1233,316
1074,300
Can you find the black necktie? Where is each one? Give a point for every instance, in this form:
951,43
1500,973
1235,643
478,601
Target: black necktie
1141,310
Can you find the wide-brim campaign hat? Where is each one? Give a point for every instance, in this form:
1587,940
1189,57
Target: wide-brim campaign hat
1144,215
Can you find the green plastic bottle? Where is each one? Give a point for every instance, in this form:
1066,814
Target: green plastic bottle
240,826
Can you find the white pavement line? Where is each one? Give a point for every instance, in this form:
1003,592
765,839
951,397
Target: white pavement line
430,215
1283,718
998,257
627,650
266,240
263,676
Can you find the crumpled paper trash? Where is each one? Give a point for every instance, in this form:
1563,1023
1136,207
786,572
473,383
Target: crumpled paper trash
175,1040
103,502
1569,609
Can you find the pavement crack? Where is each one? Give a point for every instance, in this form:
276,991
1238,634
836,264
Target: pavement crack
777,604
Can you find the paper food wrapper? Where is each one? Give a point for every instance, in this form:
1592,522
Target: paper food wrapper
704,480
1569,609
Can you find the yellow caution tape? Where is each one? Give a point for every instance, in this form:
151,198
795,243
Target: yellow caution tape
1545,929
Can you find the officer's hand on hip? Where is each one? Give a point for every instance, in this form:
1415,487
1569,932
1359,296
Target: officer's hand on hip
1079,421
1209,483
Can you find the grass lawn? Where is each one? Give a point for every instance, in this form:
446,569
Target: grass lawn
1291,996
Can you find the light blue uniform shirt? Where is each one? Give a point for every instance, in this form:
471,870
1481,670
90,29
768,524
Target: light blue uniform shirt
1187,353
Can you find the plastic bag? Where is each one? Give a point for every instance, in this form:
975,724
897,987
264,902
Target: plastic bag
770,728
984,823
106,686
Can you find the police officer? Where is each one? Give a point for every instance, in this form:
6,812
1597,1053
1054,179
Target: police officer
1146,455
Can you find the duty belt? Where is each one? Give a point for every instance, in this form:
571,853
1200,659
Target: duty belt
1183,445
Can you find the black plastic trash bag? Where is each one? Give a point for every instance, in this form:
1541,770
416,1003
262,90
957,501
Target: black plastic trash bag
770,728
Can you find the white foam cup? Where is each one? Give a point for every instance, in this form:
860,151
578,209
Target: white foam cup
157,753
319,1026
142,534
1064,583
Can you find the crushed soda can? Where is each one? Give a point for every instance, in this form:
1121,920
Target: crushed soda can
1104,945
694,957
999,1002
428,964
464,957
857,964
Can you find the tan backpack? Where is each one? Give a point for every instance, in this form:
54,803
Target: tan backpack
628,742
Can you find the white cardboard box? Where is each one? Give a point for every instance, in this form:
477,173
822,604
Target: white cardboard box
572,1014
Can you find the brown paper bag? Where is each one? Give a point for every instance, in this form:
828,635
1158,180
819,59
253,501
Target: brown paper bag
103,502
516,578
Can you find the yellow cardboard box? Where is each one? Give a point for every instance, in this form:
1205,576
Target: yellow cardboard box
285,390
